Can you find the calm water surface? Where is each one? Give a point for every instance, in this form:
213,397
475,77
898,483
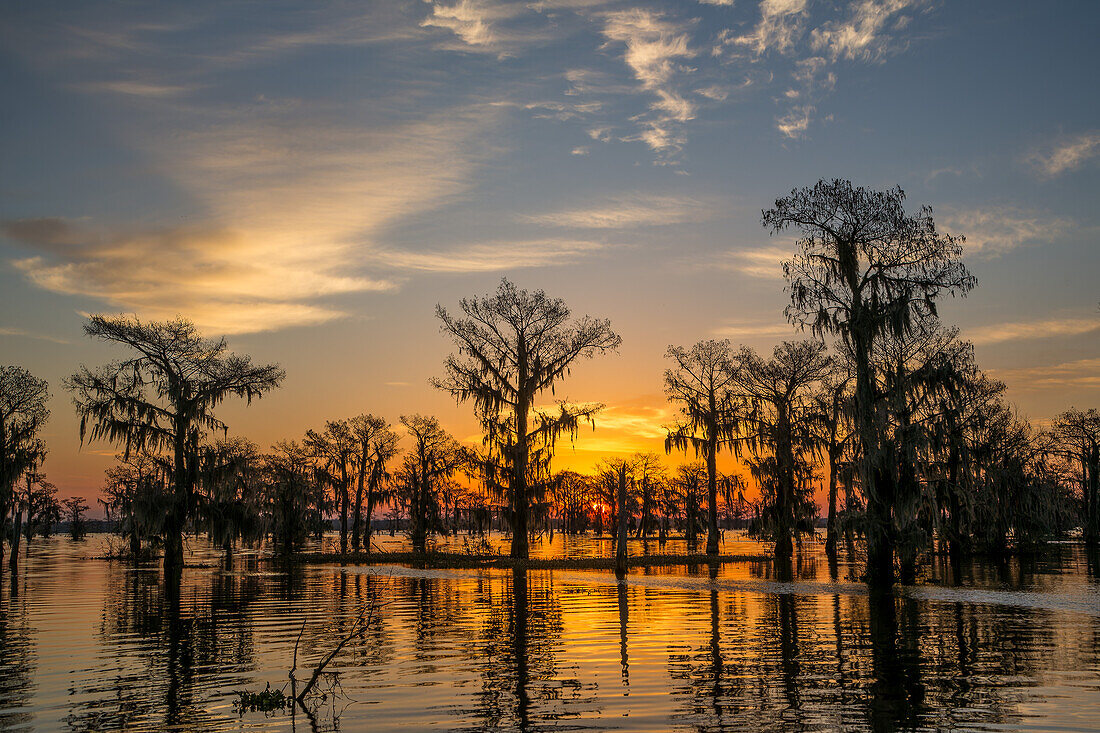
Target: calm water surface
89,645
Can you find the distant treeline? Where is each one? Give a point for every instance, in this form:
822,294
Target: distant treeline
882,404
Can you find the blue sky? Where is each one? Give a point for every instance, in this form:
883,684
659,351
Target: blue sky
310,179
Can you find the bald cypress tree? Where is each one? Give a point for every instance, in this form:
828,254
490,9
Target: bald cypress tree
162,397
865,268
23,412
702,385
514,346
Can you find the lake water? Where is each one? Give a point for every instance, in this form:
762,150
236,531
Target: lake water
89,645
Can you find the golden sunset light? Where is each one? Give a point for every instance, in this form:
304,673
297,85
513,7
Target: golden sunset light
549,364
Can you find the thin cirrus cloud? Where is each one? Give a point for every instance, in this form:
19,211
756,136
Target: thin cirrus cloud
1077,374
624,212
468,19
867,31
995,230
763,262
491,256
1023,330
663,53
1067,154
296,213
770,329
22,333
655,51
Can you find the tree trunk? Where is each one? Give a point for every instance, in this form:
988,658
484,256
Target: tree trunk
830,527
880,547
784,509
519,475
1092,495
357,520
177,511
366,527
712,495
620,537
345,501
16,527
173,550
3,524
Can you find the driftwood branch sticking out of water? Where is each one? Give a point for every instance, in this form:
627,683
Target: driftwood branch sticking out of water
466,561
362,623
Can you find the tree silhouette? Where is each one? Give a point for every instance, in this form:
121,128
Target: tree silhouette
690,488
779,429
512,347
294,500
618,479
426,472
42,505
164,398
338,449
702,384
377,446
864,269
914,370
231,483
650,477
136,494
833,400
1079,433
22,413
39,499
75,507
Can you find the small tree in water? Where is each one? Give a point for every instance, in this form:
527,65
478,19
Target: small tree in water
1078,432
135,495
512,347
702,384
75,507
22,413
164,398
864,269
377,446
337,449
427,472
779,431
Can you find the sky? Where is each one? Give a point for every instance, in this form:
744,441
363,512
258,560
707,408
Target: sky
311,179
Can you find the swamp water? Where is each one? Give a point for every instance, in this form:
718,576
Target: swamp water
90,645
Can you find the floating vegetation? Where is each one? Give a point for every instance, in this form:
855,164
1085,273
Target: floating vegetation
269,700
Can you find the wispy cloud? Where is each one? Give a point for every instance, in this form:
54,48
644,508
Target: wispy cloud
491,256
139,88
467,19
755,329
636,420
490,26
781,25
1024,330
1081,373
654,47
867,34
994,230
1067,154
22,333
867,31
623,212
296,211
764,262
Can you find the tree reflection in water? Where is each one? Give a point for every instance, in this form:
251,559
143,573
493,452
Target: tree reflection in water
714,647
17,661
